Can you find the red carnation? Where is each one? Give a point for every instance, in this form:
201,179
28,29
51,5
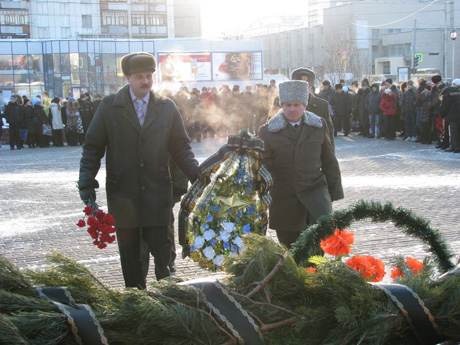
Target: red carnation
81,223
100,214
111,239
109,220
92,221
88,211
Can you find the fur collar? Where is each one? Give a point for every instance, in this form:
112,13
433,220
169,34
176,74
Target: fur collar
279,122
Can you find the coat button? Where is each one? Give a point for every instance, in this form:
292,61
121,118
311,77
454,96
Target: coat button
142,164
143,187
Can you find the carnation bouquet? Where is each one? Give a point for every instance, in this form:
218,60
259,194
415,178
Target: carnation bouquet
101,225
232,203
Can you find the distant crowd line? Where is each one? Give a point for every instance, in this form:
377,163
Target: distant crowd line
424,111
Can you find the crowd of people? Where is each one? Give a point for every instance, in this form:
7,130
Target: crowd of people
425,111
413,110
43,122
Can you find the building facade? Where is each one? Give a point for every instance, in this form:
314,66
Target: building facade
369,37
81,19
72,67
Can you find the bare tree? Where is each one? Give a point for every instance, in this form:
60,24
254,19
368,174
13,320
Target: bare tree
342,60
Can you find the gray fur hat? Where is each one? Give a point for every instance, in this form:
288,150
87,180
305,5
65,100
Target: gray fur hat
138,63
293,91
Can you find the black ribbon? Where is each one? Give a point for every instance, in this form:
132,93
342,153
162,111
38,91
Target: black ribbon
229,311
418,316
83,323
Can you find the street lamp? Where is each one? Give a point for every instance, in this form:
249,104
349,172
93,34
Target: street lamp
453,37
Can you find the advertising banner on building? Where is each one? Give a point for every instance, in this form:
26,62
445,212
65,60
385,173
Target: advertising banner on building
237,66
174,67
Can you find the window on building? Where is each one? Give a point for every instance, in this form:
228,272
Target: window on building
14,17
114,18
386,67
86,21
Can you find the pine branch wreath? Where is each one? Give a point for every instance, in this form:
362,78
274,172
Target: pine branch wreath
308,243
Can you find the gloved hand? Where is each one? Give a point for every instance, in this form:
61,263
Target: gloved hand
178,192
88,195
185,251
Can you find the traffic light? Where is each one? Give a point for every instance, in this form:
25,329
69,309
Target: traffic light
416,60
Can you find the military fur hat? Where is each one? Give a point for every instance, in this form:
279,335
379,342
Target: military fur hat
138,63
303,73
293,91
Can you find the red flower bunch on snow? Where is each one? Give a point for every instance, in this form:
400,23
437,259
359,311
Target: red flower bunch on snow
100,226
339,243
370,268
413,264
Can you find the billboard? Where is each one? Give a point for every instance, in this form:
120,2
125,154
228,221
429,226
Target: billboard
174,67
237,66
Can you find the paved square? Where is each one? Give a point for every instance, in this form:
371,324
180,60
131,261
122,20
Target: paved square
40,204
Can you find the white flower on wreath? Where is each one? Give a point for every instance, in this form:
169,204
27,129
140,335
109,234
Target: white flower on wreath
199,242
239,242
209,253
229,227
219,260
224,236
209,234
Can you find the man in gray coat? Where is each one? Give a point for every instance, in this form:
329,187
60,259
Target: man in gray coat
300,157
136,129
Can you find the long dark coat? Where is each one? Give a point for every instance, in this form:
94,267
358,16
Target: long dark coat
138,183
304,168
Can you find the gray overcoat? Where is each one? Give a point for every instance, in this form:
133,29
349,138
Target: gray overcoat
138,183
304,168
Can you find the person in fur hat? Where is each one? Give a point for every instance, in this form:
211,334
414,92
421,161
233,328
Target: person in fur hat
300,156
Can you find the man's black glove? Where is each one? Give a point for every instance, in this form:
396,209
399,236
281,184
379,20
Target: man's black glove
88,195
178,192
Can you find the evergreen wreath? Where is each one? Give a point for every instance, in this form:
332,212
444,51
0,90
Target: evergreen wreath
308,243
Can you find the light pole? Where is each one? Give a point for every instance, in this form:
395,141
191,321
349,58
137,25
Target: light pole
453,37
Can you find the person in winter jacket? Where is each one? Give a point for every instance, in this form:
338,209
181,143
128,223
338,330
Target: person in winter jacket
31,124
363,114
388,107
74,123
425,118
42,119
450,109
408,109
341,104
372,105
56,122
14,114
326,93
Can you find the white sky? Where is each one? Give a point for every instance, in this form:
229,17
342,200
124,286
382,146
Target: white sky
220,16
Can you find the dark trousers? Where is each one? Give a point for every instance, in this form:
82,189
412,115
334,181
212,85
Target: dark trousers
342,122
57,137
134,245
455,135
389,126
411,129
15,138
289,237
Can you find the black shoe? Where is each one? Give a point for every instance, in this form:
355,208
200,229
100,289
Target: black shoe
449,150
370,136
457,151
345,134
